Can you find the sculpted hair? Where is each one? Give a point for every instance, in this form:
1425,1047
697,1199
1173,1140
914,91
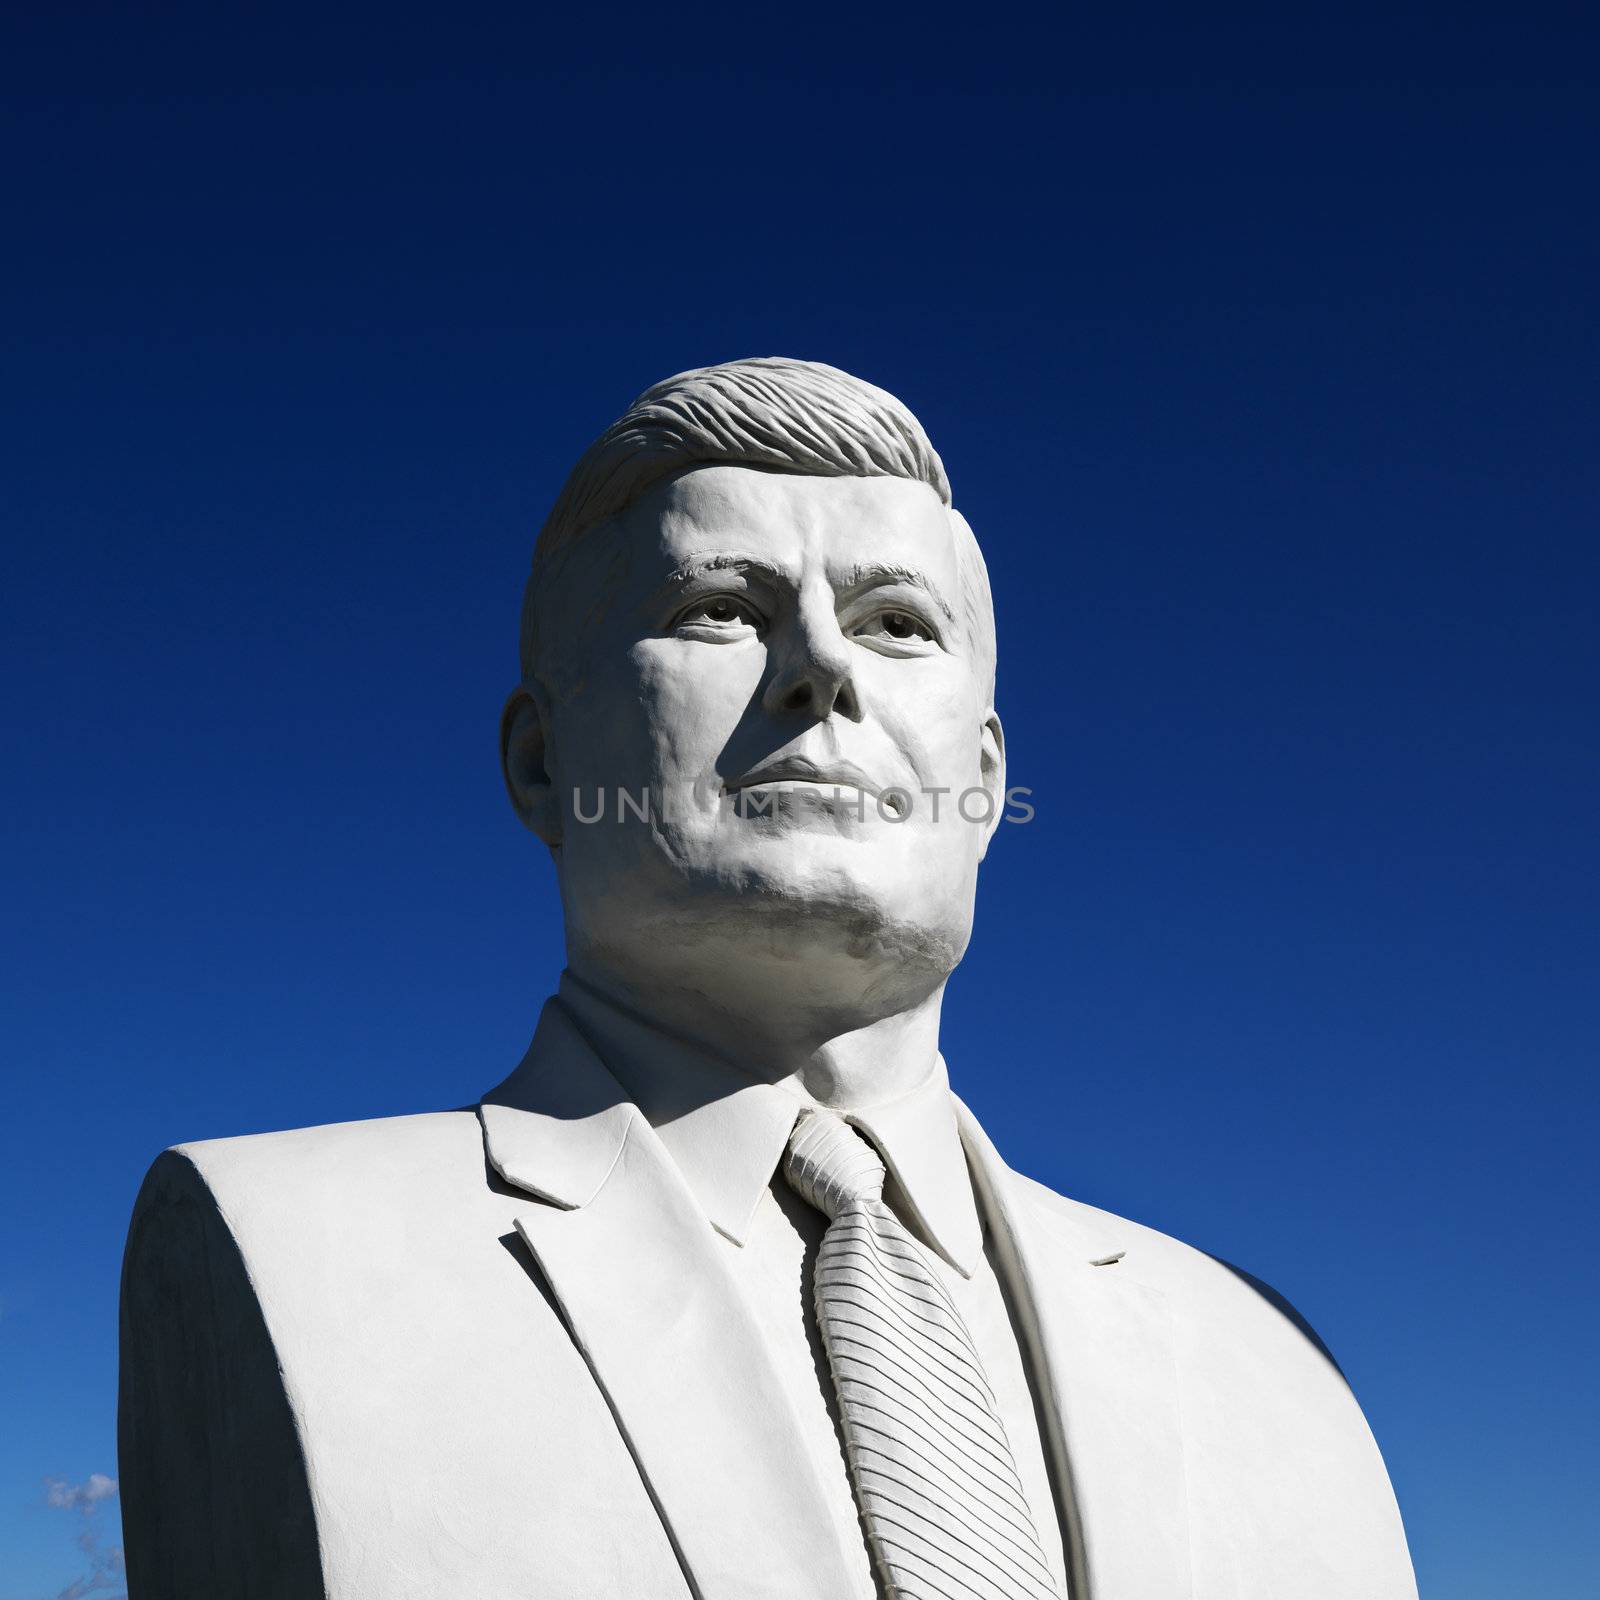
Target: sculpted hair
766,411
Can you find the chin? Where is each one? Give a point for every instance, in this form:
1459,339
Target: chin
813,908
830,914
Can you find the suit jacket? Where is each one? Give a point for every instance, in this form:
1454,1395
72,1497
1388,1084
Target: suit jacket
497,1352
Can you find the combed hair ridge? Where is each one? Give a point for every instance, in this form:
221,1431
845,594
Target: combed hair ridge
766,411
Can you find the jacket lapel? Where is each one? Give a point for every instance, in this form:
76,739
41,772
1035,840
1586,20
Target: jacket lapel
637,1271
1100,1351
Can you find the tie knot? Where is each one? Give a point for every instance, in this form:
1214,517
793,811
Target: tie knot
830,1165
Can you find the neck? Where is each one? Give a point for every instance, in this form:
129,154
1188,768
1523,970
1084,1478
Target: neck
843,1061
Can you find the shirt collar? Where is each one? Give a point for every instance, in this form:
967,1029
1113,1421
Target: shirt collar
727,1133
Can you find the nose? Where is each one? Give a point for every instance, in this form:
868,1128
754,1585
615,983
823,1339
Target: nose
813,674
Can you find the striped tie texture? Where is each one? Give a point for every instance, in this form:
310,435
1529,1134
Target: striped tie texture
940,1499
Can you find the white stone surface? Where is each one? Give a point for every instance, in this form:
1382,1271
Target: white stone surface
503,1353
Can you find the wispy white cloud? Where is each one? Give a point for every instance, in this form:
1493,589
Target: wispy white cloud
83,1496
105,1571
105,1560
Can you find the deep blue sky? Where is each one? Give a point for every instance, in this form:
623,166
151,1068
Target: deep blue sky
1262,352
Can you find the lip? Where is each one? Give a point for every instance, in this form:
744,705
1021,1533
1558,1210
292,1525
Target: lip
797,769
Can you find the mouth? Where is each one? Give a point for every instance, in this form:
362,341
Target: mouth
796,774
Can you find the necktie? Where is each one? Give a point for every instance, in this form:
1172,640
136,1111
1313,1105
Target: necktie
938,1490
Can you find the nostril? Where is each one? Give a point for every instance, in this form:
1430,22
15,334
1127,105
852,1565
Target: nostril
798,698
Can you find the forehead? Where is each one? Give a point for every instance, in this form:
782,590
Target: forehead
794,522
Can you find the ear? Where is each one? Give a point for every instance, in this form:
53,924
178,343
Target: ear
525,762
992,774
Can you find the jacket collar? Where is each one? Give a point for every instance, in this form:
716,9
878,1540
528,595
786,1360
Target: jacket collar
1100,1349
556,1126
645,1289
727,1133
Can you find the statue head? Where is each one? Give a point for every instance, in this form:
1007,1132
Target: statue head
755,724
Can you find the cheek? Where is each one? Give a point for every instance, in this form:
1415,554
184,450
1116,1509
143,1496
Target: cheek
938,724
691,697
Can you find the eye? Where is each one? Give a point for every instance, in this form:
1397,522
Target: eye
718,613
900,626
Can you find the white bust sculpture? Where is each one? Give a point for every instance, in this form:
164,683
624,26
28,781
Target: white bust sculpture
722,1293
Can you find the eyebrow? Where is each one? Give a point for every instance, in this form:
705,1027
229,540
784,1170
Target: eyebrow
864,576
722,563
874,574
